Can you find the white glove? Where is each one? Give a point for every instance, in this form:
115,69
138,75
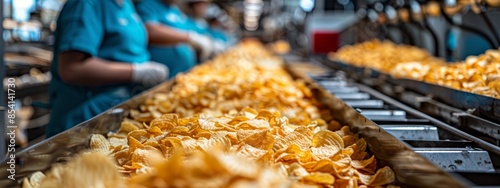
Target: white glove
203,42
219,46
149,74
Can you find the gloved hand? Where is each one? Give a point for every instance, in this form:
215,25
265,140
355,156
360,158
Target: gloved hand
203,42
149,73
219,46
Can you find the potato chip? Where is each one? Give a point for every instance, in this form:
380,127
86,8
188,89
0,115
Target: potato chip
319,178
294,153
219,141
253,124
261,140
359,150
26,183
87,170
362,164
251,152
34,180
134,144
301,137
127,126
350,139
297,171
99,143
383,176
139,135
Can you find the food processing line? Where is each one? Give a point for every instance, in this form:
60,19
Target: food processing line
373,115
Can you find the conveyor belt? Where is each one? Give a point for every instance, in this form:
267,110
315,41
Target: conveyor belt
447,146
470,112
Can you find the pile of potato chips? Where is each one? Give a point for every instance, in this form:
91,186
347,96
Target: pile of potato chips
479,75
382,55
237,121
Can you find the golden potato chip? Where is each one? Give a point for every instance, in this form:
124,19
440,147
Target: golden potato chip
139,135
254,124
261,140
87,170
297,171
265,115
219,141
383,176
319,178
301,137
244,133
134,144
26,183
327,138
34,180
155,113
116,142
99,143
344,131
359,150
127,126
142,117
351,182
250,152
165,122
155,131
363,164
350,139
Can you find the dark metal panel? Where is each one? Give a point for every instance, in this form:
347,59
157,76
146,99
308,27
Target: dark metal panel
2,94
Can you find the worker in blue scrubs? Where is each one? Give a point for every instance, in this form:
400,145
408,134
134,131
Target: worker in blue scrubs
218,24
100,60
197,12
171,38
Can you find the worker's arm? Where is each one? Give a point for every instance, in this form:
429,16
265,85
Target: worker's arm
79,68
163,35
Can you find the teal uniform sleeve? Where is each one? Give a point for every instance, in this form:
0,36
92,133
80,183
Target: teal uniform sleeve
146,9
82,27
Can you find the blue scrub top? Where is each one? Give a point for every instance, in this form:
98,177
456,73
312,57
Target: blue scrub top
180,57
219,35
106,29
200,26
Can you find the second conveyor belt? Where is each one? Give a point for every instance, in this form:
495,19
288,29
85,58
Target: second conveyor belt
445,145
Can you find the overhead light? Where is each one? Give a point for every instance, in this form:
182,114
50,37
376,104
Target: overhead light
251,23
251,18
253,1
307,5
252,14
251,28
255,7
